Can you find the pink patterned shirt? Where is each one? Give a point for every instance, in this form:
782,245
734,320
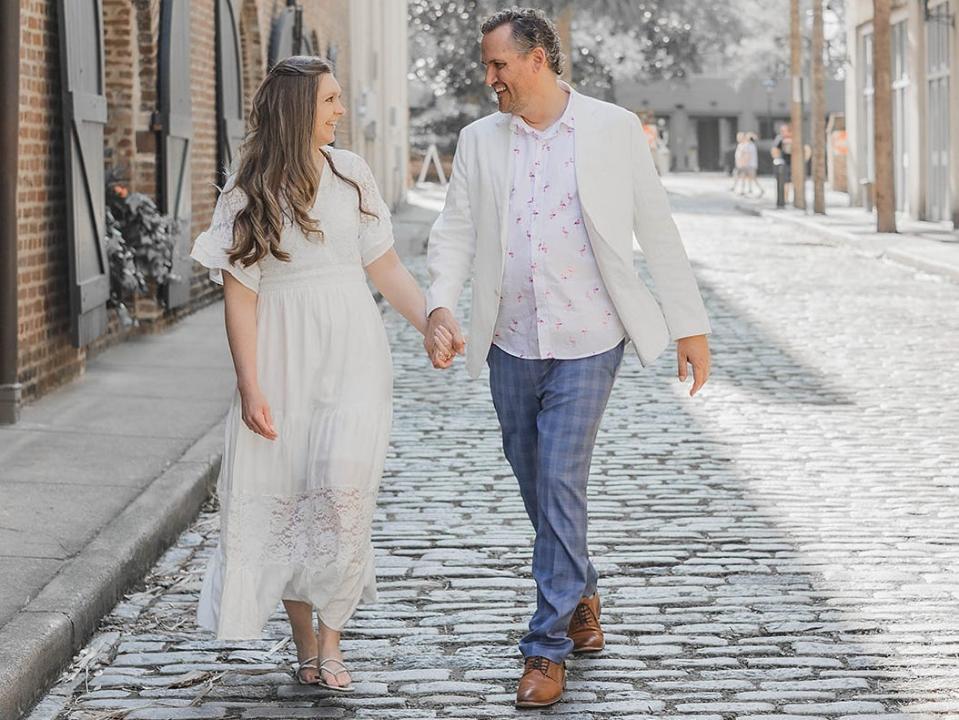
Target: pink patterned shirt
553,303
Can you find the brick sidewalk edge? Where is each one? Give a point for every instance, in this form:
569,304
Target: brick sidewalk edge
38,643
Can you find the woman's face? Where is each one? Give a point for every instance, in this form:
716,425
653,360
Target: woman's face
329,109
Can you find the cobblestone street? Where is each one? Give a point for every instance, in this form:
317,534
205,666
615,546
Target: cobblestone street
785,545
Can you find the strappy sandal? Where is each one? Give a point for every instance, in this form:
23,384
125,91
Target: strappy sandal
334,688
307,664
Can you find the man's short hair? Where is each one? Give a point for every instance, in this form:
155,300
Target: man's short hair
531,28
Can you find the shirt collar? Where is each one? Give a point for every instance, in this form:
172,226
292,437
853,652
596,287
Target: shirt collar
567,119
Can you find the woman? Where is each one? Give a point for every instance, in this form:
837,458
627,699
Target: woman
308,429
752,165
739,162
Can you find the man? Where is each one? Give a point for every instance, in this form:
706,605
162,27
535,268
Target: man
782,154
542,206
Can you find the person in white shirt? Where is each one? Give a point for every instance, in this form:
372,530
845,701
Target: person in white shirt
752,165
740,161
543,204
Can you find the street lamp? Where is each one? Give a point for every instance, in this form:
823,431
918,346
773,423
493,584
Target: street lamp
769,85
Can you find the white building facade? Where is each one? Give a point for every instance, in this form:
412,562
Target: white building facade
701,115
925,100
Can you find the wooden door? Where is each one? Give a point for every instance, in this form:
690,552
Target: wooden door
176,135
229,84
84,117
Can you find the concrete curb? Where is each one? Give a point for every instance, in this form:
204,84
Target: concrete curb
41,639
915,252
926,258
833,235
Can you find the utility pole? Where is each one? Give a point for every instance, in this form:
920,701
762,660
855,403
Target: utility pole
795,71
885,189
564,27
818,112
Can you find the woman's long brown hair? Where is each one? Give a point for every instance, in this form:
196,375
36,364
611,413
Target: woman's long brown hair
277,169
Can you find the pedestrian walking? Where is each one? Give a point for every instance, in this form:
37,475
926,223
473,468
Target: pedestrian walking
306,435
781,153
740,160
541,211
751,168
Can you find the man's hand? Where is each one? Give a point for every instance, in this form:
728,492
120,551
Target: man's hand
693,350
443,318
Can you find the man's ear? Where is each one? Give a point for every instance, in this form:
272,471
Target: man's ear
539,58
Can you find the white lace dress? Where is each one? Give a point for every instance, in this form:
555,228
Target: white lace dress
295,512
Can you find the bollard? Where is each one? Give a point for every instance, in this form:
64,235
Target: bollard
780,185
867,197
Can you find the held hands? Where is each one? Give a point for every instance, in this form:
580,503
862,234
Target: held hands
443,340
256,413
693,350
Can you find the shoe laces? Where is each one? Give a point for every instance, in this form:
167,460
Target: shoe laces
537,663
583,614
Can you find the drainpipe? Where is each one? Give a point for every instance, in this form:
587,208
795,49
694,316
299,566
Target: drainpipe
9,132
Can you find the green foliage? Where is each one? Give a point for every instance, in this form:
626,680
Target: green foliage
763,51
612,40
140,243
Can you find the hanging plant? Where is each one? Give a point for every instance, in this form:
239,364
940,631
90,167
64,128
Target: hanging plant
140,243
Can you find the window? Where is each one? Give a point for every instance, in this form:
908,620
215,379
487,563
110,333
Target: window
867,139
900,120
937,121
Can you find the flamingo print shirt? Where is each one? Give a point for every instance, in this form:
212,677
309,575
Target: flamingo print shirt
553,303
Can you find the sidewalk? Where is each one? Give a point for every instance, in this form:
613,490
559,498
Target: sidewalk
929,246
102,475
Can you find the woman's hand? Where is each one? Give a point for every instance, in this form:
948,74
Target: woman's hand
442,319
256,413
441,351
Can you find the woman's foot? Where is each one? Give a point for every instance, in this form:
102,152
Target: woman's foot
332,670
304,637
307,671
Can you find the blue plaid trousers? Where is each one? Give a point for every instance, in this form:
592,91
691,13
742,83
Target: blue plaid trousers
550,412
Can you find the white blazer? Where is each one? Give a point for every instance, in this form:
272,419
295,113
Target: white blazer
620,194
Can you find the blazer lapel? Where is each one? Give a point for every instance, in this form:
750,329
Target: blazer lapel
591,171
501,173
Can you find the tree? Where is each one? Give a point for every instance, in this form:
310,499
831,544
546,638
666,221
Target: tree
609,40
818,112
885,186
564,26
766,32
618,40
795,71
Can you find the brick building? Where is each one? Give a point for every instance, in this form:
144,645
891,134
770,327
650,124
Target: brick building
162,98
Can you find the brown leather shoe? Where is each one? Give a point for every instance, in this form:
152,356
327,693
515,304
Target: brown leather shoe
584,628
542,684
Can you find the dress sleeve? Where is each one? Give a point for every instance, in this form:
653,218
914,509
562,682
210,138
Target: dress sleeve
376,233
211,247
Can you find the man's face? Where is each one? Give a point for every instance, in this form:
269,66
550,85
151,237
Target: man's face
509,73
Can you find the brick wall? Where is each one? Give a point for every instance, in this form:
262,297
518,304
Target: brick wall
203,96
252,39
131,38
145,162
119,40
46,357
331,21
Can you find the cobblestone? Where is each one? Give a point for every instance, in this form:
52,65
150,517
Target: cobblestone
783,547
